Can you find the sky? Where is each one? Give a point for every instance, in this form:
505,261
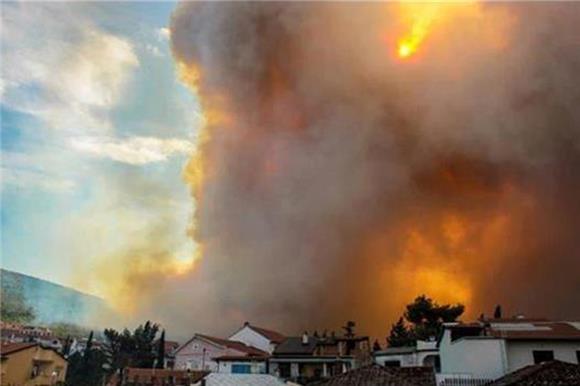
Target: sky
93,116
236,160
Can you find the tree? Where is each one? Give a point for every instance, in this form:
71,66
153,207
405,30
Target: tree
497,312
349,329
13,306
136,349
86,368
400,336
161,351
376,346
425,319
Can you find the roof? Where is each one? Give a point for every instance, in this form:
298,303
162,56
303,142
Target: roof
217,379
233,344
518,329
548,373
293,346
375,375
396,351
158,377
271,335
536,330
240,358
11,348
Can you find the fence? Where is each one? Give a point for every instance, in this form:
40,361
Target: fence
461,380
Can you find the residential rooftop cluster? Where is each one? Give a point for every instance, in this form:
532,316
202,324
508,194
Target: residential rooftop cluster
491,352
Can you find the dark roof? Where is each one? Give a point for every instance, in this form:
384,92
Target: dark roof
273,336
293,346
375,375
10,348
552,373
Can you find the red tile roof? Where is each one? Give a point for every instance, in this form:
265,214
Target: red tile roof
375,375
239,346
10,348
538,331
547,373
273,336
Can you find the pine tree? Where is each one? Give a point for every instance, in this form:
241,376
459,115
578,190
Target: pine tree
161,351
400,335
497,312
376,346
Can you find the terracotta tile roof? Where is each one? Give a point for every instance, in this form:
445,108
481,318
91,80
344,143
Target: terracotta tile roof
239,346
518,329
10,348
273,336
158,377
537,331
548,373
375,375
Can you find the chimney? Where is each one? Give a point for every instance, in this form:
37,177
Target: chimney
305,338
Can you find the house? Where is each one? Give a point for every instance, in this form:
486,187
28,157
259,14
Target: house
424,353
384,376
261,338
245,364
545,373
28,364
201,352
309,357
490,349
215,379
158,377
17,333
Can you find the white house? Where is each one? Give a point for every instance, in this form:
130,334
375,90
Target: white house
201,352
489,349
424,353
261,338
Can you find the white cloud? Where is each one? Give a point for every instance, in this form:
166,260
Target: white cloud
61,68
134,150
163,33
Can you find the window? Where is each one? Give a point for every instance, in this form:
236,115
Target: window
543,356
284,369
578,356
241,369
392,364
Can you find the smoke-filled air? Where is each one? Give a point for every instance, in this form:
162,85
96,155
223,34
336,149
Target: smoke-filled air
356,155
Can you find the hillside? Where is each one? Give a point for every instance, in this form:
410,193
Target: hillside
50,302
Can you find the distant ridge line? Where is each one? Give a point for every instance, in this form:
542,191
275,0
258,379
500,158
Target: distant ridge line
52,283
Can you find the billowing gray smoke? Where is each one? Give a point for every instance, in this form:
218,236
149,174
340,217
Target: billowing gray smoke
338,181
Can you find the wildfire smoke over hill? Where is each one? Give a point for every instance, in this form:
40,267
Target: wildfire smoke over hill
335,180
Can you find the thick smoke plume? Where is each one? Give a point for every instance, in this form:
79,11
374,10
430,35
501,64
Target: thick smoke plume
334,180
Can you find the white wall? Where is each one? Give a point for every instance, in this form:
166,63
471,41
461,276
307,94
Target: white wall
252,338
520,354
479,358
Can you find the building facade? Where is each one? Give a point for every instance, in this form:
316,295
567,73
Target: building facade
490,349
30,364
201,351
